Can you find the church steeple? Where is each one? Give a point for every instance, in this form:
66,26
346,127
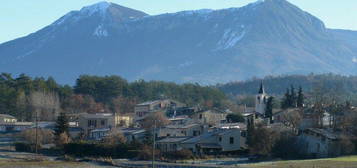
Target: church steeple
261,90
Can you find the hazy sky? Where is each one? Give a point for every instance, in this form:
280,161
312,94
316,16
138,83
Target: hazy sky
21,17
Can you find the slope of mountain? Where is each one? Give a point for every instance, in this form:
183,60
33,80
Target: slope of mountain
206,46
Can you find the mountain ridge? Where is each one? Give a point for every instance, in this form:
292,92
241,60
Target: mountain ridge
206,46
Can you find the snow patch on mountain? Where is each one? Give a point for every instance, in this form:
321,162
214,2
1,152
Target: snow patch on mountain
100,7
100,31
230,39
354,60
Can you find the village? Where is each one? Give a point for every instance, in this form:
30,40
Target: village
170,130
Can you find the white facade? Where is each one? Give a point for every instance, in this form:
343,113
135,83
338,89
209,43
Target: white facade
261,100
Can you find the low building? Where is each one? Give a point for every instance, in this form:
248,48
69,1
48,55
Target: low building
317,142
182,130
171,144
98,134
124,120
89,122
211,117
213,142
4,118
9,123
134,134
142,110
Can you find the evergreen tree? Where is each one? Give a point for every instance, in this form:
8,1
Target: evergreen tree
61,124
286,100
293,97
250,130
269,109
300,98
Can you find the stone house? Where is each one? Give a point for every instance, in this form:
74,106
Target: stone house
90,122
210,117
213,142
182,130
317,142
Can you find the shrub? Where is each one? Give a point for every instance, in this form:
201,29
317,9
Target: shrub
23,147
179,155
44,136
83,149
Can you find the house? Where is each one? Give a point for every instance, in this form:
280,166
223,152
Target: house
317,142
217,141
4,118
182,130
98,134
171,144
213,142
124,120
210,117
90,122
134,134
144,109
9,123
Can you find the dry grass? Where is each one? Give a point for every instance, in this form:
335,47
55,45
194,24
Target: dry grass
48,164
341,162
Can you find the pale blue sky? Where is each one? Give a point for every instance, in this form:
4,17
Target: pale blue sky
21,17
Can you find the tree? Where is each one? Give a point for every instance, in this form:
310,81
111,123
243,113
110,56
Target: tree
234,118
262,140
300,98
269,108
44,136
292,118
293,97
62,125
286,100
157,118
63,139
115,137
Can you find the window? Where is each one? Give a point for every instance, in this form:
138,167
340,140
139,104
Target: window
92,123
231,140
102,122
220,139
243,134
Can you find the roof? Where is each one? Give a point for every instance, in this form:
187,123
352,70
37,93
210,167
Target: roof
101,130
261,89
7,116
97,115
217,132
241,126
173,139
181,126
127,131
210,146
323,132
148,103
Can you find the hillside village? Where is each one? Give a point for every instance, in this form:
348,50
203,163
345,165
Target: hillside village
176,131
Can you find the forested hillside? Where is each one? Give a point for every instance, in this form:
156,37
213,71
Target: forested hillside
277,85
24,96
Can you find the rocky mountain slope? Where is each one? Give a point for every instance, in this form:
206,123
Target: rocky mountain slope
206,46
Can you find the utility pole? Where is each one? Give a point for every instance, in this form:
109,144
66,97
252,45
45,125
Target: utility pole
153,146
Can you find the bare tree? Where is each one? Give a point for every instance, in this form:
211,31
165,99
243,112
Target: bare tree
159,117
45,105
292,118
115,137
44,136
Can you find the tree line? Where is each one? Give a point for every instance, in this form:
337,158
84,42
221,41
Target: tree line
27,98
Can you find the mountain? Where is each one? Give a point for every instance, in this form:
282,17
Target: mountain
207,46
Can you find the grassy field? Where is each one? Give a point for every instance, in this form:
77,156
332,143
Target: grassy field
48,164
341,162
